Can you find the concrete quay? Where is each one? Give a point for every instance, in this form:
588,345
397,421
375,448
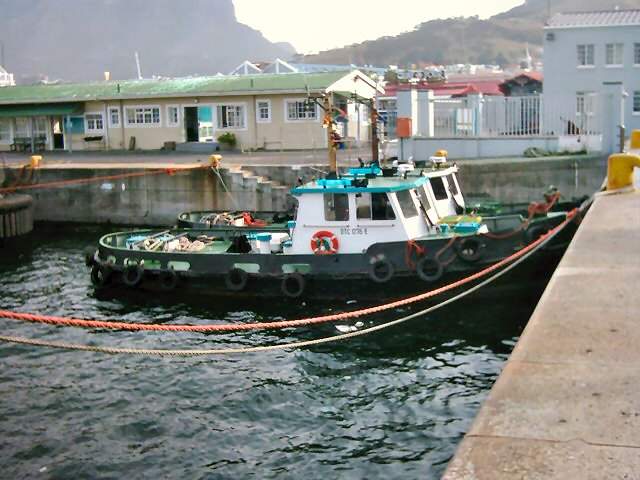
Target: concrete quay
567,404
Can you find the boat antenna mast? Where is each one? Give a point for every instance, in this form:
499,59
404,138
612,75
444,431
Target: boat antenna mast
325,102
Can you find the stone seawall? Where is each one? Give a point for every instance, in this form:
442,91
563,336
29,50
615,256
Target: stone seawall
158,199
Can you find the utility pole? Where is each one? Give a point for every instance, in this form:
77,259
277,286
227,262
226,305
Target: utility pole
138,66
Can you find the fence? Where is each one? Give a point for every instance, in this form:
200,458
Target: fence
517,116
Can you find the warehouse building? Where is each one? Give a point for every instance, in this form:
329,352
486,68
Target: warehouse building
265,111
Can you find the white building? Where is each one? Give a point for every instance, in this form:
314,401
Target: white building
592,62
6,78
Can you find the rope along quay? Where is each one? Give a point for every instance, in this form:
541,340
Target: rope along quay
293,345
71,322
84,181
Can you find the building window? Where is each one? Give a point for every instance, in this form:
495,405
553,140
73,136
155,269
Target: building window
173,115
636,54
40,127
114,117
586,55
143,116
613,54
405,199
230,116
636,102
585,103
5,130
93,122
22,128
300,110
263,111
336,207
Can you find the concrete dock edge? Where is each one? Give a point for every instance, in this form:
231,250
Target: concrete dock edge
567,404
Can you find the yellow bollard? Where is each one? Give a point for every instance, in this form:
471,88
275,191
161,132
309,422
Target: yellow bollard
634,142
215,160
620,170
35,161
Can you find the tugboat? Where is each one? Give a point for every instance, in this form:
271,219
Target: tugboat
374,231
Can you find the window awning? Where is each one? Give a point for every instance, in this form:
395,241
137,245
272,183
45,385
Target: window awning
41,110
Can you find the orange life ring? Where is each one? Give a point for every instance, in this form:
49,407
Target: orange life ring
324,243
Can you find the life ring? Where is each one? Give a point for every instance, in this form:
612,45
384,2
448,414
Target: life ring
89,256
292,285
429,269
381,271
324,243
100,275
168,279
236,279
469,249
132,275
534,232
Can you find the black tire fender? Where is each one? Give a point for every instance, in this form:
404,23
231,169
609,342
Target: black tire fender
429,269
534,232
293,285
89,256
469,249
381,270
132,275
100,275
169,280
236,279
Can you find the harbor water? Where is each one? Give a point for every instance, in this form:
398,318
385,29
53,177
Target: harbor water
392,404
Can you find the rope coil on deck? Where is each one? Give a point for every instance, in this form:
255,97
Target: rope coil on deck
292,345
72,322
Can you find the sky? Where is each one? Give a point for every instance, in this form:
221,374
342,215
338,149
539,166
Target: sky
351,21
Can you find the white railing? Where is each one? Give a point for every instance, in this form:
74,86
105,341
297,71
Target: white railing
517,117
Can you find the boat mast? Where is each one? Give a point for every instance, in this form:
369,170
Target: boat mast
329,124
375,158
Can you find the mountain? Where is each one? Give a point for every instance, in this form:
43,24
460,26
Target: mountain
78,40
501,39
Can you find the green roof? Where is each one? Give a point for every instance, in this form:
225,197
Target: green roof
175,87
24,110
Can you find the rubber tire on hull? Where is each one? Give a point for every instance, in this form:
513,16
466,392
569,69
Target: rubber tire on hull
534,232
292,285
100,275
89,256
387,271
132,275
429,269
236,279
168,280
469,249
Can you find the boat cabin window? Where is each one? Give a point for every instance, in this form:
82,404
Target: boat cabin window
423,196
336,207
407,206
439,190
374,206
452,184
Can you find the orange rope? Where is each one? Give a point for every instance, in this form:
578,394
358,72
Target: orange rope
81,181
413,246
71,322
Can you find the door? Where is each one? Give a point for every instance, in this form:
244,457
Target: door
191,124
58,133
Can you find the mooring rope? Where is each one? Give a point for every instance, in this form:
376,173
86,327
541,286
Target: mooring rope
291,345
101,178
73,322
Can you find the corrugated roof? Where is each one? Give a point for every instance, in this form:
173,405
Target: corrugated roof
197,86
605,18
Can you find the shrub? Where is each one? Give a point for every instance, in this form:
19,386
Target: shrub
228,138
